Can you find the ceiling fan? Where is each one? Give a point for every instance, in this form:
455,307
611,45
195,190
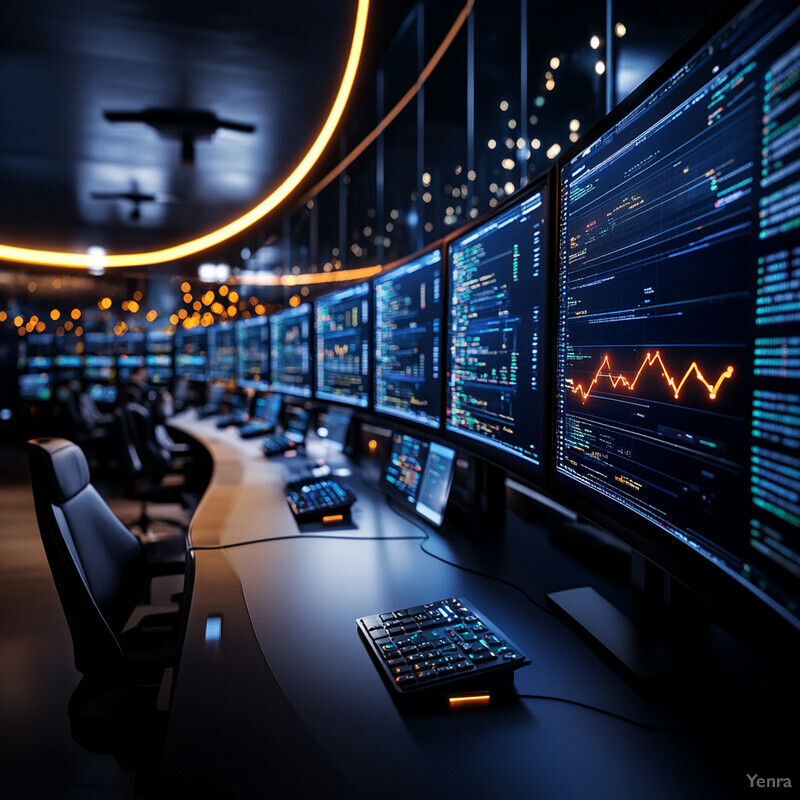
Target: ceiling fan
137,198
185,124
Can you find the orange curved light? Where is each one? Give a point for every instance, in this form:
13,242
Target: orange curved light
84,261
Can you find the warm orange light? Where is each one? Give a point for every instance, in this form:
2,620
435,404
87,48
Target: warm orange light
75,313
260,309
294,300
197,305
223,290
187,298
217,308
3,316
186,287
84,260
79,331
372,445
233,297
133,306
137,295
231,311
55,314
68,325
332,518
183,313
40,326
18,321
469,700
268,279
173,319
105,303
151,315
32,287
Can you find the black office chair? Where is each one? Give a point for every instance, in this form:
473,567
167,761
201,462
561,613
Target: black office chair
148,468
100,569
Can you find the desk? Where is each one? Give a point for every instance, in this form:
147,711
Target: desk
289,704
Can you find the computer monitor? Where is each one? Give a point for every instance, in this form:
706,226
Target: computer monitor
342,334
98,367
222,352
191,354
677,404
336,428
252,353
159,358
126,364
103,393
497,318
419,474
290,351
408,340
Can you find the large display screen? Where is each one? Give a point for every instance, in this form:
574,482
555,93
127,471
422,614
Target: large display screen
252,353
408,340
496,322
342,331
290,351
191,354
222,352
159,346
679,307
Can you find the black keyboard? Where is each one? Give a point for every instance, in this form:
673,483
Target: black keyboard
305,473
321,499
255,428
439,644
279,443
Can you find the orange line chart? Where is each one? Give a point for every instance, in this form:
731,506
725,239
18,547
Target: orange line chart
650,360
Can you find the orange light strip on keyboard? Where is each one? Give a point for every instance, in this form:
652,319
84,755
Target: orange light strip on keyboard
470,700
333,518
648,361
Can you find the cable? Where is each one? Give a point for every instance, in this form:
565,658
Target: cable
628,720
195,548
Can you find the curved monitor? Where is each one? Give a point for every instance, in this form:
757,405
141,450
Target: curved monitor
408,340
342,336
495,394
290,351
677,403
252,353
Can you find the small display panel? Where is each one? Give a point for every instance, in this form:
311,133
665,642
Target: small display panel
252,353
159,362
342,331
496,359
420,474
35,388
268,409
408,340
337,427
290,351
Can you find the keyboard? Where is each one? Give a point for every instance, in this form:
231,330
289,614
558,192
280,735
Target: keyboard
440,644
305,473
324,499
255,428
279,443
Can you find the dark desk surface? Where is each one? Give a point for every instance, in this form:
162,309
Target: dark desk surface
289,703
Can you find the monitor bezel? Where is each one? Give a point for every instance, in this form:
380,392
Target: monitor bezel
444,284
737,605
513,464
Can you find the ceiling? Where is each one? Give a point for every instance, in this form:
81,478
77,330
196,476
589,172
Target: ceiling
271,65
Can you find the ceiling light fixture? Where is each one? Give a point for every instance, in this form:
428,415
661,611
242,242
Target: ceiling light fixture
82,260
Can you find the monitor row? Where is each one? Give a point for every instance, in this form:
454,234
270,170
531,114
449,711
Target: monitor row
623,331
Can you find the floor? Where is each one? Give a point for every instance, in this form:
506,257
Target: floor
38,756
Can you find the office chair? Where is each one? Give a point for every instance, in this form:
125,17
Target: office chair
146,465
100,569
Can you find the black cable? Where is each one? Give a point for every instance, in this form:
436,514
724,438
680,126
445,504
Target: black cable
628,720
306,536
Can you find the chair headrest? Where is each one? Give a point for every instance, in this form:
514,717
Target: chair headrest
59,467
